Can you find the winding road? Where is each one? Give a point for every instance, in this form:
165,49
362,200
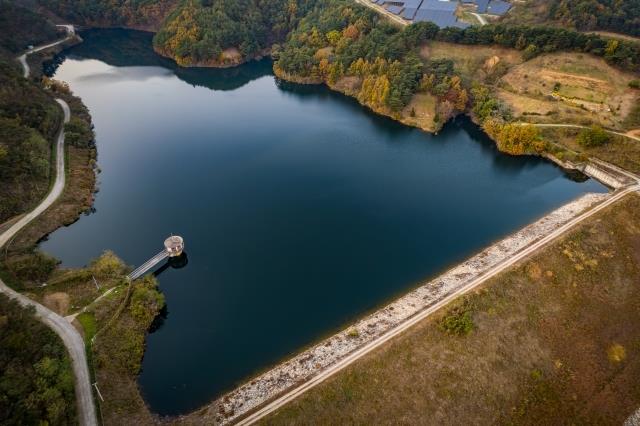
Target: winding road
480,18
70,337
71,32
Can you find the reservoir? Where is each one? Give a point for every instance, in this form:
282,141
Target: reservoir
301,210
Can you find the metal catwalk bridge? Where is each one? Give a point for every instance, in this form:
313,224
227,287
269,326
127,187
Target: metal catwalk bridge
146,266
173,247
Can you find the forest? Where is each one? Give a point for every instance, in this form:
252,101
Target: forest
22,27
585,15
36,384
199,31
29,120
143,14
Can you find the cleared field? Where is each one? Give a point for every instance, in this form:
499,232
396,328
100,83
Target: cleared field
473,62
581,85
552,341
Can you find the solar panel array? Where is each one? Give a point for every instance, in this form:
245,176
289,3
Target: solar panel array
482,5
440,12
498,7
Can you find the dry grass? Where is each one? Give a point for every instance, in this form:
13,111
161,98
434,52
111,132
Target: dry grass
420,112
554,341
588,87
472,61
58,302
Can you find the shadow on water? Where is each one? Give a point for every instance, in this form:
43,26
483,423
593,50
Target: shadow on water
178,262
133,51
314,93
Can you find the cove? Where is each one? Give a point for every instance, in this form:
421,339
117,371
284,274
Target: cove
301,210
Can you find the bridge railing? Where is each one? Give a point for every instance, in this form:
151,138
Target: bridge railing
142,269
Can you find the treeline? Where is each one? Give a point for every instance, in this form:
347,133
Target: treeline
146,14
29,120
199,31
586,15
36,381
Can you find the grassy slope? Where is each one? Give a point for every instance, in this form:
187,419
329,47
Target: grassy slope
525,87
554,342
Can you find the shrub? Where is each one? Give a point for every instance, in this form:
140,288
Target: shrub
458,321
353,333
146,301
593,136
634,84
108,265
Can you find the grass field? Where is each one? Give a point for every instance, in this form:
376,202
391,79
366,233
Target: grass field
473,62
420,112
552,341
581,88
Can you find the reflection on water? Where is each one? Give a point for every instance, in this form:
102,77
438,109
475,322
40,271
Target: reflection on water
300,209
133,51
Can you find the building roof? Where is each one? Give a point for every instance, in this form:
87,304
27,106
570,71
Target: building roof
498,7
450,6
409,12
395,9
482,5
442,18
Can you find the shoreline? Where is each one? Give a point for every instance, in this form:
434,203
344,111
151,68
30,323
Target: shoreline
242,401
306,366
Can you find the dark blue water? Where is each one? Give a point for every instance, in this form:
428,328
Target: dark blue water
300,209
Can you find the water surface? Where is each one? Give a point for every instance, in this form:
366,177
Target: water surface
300,209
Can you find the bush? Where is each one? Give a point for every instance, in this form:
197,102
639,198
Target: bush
108,266
634,84
458,321
593,136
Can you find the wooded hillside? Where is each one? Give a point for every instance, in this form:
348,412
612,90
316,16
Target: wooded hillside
584,15
36,381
